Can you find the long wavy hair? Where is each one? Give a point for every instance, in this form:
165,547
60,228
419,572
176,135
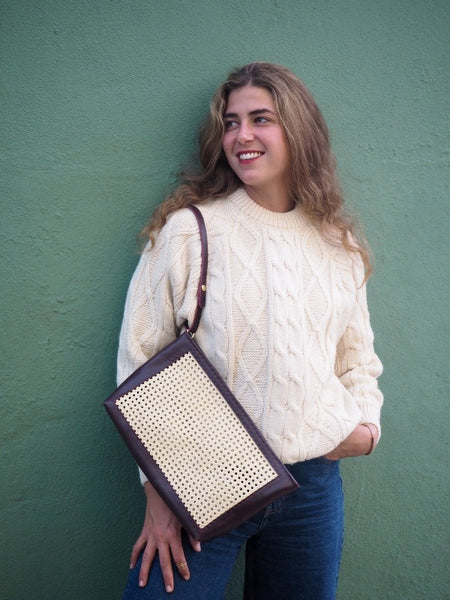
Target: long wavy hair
314,183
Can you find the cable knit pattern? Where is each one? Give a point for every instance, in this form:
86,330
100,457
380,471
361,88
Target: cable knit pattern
286,322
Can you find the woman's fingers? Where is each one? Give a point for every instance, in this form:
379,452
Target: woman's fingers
196,545
182,566
170,553
147,560
165,560
139,545
166,556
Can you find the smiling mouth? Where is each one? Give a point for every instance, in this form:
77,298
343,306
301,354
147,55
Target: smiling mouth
249,155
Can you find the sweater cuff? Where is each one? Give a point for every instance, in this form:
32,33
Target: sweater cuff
372,417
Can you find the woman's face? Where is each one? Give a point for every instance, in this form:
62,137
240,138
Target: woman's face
255,146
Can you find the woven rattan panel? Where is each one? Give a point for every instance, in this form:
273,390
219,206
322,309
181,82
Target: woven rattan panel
212,469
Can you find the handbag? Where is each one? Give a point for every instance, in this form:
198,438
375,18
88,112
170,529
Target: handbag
192,438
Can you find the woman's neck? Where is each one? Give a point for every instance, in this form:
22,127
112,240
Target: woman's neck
275,200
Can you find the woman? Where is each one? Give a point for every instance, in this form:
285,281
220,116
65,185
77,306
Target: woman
286,324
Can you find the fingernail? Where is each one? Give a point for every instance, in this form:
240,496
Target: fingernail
141,583
169,589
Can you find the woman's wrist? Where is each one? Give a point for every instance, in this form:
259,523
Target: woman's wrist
373,437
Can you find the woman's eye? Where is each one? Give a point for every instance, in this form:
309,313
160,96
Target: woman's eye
230,125
261,120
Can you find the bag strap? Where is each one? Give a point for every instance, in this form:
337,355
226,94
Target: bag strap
201,291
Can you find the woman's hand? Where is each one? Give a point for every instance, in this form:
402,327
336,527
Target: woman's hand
358,443
160,533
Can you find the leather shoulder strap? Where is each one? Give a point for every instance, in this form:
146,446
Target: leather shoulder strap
201,290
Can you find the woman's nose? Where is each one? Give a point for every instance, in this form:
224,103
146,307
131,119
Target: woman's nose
245,134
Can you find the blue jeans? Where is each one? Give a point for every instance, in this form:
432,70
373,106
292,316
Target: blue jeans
293,548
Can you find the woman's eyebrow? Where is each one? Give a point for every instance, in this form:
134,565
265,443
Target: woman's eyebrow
257,111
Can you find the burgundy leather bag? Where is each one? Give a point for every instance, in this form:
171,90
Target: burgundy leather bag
191,436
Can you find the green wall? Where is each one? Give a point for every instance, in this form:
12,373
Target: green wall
100,103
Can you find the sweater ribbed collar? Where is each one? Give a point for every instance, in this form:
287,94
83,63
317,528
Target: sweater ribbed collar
287,220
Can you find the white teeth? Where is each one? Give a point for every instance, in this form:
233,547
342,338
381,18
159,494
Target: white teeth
249,155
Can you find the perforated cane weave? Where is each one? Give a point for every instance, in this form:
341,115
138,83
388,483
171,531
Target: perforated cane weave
219,456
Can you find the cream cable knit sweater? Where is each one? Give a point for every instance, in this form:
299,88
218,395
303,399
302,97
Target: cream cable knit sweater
285,323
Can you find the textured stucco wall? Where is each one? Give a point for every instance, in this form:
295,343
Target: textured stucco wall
100,102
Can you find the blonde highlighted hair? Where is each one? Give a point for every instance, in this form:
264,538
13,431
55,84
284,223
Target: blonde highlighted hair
314,183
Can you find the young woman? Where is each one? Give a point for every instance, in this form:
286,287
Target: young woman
286,324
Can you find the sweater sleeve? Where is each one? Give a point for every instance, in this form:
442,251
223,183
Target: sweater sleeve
357,365
148,320
161,296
